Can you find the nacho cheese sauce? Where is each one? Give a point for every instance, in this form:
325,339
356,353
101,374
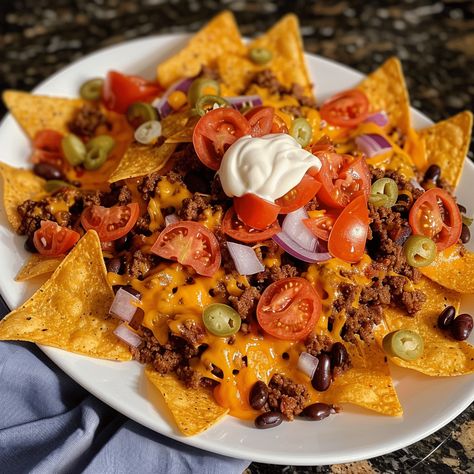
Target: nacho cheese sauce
268,167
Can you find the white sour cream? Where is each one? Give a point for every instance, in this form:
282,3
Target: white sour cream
269,166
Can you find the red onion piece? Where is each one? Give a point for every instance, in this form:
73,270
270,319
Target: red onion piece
171,219
294,249
162,105
307,364
372,144
125,334
245,260
241,101
123,306
293,226
416,184
379,118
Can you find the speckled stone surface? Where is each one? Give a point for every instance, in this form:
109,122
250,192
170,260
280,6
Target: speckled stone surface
434,40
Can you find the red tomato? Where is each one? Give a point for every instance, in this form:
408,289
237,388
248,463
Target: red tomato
346,109
110,223
436,215
255,211
215,132
235,228
120,91
342,177
190,243
260,120
51,239
321,226
349,233
279,125
300,195
47,147
289,309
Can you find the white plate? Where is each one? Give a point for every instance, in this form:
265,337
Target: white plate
429,403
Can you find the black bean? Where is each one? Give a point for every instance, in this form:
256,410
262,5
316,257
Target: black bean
462,209
465,234
268,420
197,182
322,377
339,355
403,198
29,245
123,243
132,291
446,317
258,395
47,171
113,265
461,327
318,411
433,173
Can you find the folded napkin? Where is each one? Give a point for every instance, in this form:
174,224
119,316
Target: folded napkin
49,424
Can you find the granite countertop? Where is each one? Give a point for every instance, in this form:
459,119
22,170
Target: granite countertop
434,40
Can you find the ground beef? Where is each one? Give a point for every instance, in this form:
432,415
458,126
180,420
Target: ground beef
316,344
137,264
286,396
275,273
193,208
209,73
292,110
147,185
246,303
297,91
185,159
191,332
361,321
31,214
227,262
86,121
92,198
119,194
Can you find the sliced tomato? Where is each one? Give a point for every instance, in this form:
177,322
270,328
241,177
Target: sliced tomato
279,125
235,228
436,215
349,233
47,147
51,239
110,223
322,225
190,243
300,195
342,178
346,109
260,120
289,309
120,91
215,132
256,212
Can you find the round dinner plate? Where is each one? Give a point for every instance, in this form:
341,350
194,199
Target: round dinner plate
355,434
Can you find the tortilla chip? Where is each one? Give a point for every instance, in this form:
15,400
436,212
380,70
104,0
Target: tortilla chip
37,112
18,186
442,355
220,37
194,410
387,91
38,265
70,311
235,72
452,268
447,144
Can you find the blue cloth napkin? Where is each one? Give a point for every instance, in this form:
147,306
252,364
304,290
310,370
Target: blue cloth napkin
49,424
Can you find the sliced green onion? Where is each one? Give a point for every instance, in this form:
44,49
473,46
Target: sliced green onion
74,149
200,87
384,193
91,89
140,112
221,319
419,251
301,131
260,55
209,102
147,133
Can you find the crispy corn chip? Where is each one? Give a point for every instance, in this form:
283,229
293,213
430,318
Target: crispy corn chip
220,37
70,311
442,355
235,72
37,112
18,186
194,410
452,268
447,144
38,265
387,91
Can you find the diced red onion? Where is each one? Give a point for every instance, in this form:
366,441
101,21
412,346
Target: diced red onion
416,184
124,333
372,144
245,259
123,306
294,249
379,118
240,101
171,219
293,226
307,364
162,104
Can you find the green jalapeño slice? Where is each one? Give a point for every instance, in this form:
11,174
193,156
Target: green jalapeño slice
221,320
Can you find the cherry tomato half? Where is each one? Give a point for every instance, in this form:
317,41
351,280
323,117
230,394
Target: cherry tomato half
260,120
215,132
349,233
255,211
47,148
346,109
436,215
110,223
289,309
190,243
235,228
51,239
322,225
300,195
279,125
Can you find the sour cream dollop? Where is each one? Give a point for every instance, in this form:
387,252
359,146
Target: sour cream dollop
268,166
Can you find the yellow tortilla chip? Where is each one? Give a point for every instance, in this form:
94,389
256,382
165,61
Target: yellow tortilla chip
387,91
447,144
220,37
235,72
37,112
442,355
70,311
38,265
452,268
18,186
194,410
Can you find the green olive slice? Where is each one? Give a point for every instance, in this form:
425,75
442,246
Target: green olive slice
221,320
419,250
92,89
140,112
260,55
405,344
74,149
384,193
